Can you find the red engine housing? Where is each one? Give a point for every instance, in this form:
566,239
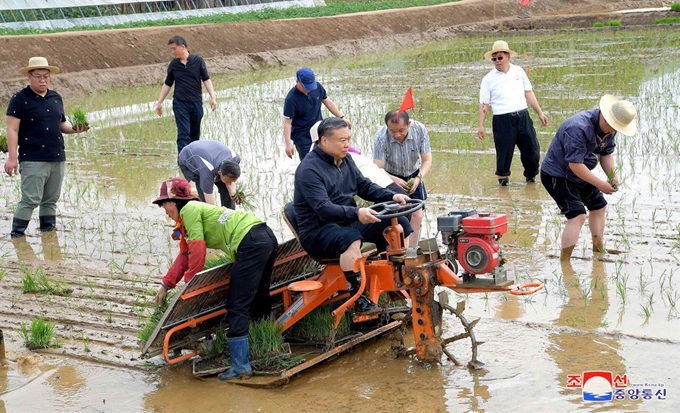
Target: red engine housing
478,247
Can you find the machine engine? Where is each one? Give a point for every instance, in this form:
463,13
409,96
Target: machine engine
472,240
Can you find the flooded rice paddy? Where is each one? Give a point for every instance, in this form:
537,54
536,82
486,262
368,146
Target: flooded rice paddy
611,312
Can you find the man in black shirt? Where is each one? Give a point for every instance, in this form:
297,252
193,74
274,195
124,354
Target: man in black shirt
186,71
35,124
329,223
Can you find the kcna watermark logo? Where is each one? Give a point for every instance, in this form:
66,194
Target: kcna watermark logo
603,386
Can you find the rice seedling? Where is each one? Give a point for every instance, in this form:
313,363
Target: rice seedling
317,326
38,283
3,144
667,20
265,339
613,23
39,335
598,24
242,197
79,119
152,320
215,261
86,344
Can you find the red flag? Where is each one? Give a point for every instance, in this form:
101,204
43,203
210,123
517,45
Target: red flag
525,2
407,103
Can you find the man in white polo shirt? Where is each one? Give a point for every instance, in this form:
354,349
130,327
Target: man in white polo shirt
506,88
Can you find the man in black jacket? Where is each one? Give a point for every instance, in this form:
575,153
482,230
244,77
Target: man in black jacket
330,225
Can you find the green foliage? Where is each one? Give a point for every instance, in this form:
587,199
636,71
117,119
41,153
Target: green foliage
38,283
40,334
667,20
318,325
3,143
78,118
265,339
675,7
241,196
612,23
215,261
332,8
152,321
598,24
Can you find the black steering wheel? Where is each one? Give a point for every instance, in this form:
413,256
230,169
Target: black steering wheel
392,209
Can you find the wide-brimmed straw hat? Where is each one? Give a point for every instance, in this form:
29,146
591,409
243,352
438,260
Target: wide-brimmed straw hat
175,189
500,46
619,114
38,63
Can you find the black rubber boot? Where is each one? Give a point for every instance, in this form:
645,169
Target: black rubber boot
19,227
362,304
48,223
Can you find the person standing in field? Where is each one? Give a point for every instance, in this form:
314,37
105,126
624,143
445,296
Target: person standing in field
402,148
186,71
507,89
35,126
209,164
302,109
580,143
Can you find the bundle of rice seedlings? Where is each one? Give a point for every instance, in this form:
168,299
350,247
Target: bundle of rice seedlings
215,261
265,339
79,119
158,311
3,144
241,197
317,326
38,283
40,335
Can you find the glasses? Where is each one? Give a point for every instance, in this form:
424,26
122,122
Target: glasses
39,78
493,59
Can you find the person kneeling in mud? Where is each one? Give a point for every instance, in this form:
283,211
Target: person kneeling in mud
248,243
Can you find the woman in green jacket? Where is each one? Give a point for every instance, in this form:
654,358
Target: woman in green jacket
248,243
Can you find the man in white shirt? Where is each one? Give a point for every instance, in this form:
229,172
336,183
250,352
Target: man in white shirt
507,89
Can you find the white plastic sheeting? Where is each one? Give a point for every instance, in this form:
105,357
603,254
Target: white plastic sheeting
127,18
57,4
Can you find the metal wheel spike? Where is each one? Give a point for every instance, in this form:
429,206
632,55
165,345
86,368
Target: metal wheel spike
460,307
468,326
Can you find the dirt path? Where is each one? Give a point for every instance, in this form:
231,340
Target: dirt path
102,59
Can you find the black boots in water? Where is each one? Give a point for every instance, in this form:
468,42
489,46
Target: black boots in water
19,227
48,223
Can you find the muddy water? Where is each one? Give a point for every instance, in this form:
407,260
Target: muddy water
612,312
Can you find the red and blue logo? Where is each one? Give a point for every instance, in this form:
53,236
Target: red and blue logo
597,386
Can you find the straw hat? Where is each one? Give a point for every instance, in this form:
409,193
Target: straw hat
175,189
38,63
499,46
619,114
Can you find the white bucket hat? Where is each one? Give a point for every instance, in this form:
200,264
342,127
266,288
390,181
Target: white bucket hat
500,46
38,63
619,114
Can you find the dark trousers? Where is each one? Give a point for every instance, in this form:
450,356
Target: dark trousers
512,129
188,117
303,148
250,279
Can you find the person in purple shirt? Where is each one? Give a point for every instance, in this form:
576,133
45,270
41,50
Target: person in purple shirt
186,71
209,164
580,143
